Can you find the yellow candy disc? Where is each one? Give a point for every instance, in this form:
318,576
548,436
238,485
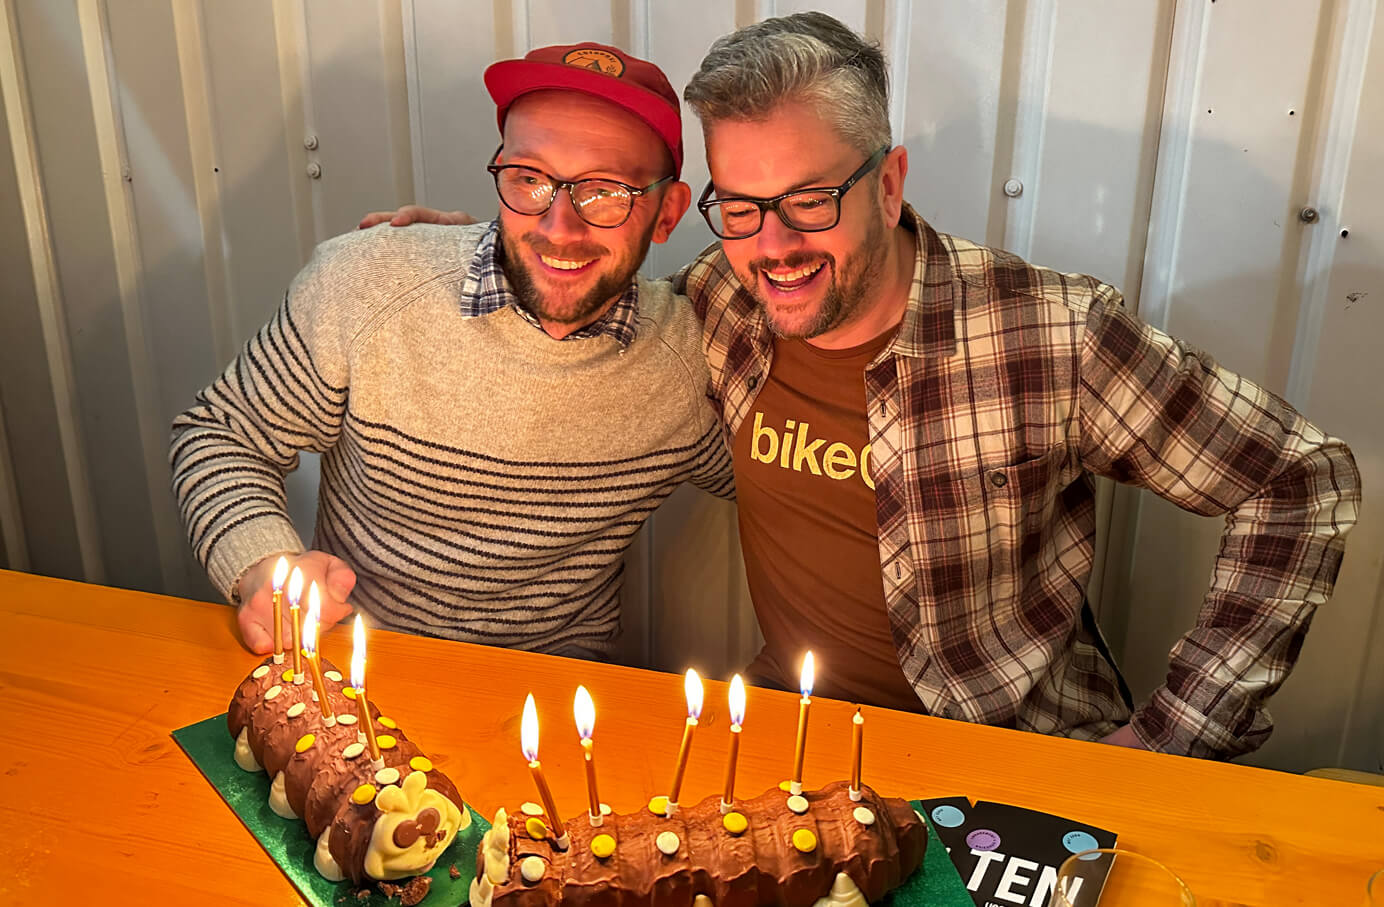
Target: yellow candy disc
304,742
288,676
363,794
804,840
348,692
785,786
602,846
536,829
386,742
659,806
735,823
387,722
420,764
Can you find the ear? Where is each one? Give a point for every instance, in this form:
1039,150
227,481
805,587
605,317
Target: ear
676,199
893,170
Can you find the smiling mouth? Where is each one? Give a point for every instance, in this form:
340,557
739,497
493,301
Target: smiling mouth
565,264
788,281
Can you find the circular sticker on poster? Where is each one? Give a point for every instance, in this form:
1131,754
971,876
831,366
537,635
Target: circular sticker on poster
948,816
1077,841
602,61
983,839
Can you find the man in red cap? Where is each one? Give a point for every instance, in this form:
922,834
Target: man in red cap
498,409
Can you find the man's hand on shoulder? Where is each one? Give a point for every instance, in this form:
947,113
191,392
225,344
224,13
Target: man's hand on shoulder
416,214
334,577
1123,736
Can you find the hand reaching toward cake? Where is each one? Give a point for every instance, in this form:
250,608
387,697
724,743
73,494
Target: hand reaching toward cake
255,616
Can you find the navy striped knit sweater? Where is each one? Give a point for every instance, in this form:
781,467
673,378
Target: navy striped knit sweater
483,479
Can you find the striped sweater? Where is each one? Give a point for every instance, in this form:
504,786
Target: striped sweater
483,479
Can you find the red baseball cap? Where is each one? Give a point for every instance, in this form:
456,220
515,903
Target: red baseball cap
598,70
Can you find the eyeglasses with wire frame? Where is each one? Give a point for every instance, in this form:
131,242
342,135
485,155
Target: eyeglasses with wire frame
810,210
600,202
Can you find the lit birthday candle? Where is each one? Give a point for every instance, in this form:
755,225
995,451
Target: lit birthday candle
692,686
280,576
310,627
584,710
295,592
367,725
528,740
737,718
796,785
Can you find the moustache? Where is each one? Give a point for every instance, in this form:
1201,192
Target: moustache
573,252
791,262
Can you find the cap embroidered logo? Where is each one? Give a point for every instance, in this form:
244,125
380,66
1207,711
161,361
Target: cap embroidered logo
599,60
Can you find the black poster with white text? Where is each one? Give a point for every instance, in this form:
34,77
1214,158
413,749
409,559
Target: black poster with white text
1008,855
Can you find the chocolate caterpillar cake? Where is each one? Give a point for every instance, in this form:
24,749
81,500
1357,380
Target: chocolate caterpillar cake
370,823
776,849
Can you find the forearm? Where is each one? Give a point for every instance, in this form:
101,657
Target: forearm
231,498
1278,562
231,450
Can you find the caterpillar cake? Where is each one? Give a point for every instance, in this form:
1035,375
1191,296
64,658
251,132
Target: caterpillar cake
822,847
371,823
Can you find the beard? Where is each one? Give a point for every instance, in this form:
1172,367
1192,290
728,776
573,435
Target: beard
851,283
569,305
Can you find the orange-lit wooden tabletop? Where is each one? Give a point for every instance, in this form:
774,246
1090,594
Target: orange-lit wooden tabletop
102,806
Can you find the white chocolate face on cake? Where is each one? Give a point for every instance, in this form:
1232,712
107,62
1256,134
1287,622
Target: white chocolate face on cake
417,825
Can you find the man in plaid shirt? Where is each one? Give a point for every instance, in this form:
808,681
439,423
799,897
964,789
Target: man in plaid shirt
993,390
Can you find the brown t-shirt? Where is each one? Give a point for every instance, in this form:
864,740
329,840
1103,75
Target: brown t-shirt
808,528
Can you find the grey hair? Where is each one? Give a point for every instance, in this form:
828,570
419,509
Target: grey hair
807,57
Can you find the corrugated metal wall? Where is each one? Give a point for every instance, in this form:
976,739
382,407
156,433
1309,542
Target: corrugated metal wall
169,165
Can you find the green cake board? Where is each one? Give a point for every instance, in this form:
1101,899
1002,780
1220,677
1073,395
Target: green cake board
208,745
937,884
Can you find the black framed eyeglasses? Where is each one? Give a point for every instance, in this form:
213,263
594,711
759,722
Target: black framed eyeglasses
604,203
809,210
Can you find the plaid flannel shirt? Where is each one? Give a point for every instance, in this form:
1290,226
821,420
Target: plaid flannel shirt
486,289
1006,388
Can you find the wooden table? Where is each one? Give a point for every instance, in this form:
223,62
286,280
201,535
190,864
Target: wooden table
100,805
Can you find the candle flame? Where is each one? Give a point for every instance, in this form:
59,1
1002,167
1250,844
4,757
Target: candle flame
692,685
280,573
737,700
310,622
528,730
295,587
584,710
358,654
807,675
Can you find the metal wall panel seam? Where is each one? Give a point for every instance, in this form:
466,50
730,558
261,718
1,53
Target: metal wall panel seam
640,38
519,15
110,147
13,85
415,104
189,34
898,23
290,44
395,68
1332,153
1328,187
11,517
1030,122
1191,24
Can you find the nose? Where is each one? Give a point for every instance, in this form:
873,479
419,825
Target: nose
561,223
776,239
